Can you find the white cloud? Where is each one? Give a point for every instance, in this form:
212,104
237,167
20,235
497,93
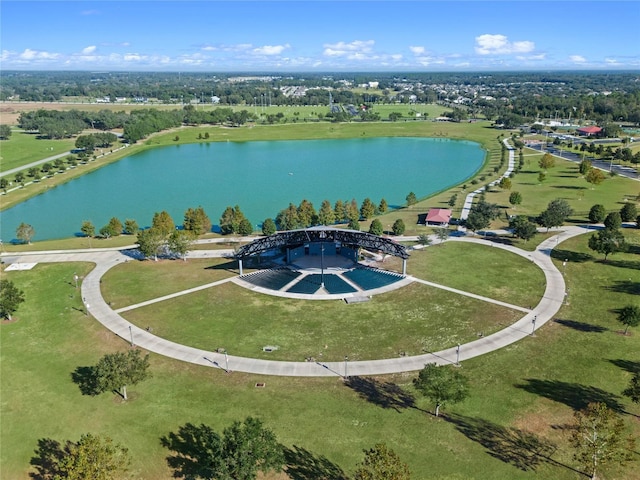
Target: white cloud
417,50
351,50
488,44
91,12
271,49
577,59
88,50
611,61
29,54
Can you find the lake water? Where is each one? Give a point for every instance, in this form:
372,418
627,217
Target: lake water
260,177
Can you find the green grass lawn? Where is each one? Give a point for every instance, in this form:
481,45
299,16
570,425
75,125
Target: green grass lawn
23,148
521,396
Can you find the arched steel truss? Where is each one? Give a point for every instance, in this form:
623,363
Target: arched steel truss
348,238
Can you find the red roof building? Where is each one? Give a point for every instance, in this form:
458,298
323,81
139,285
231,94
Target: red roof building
588,131
439,217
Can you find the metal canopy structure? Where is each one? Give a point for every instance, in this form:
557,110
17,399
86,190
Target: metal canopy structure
348,238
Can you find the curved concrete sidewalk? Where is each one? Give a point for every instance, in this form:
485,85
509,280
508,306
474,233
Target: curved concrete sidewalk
550,303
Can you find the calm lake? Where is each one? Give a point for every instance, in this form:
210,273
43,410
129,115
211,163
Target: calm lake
261,177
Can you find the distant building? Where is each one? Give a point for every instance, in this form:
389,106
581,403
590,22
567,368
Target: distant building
588,131
439,217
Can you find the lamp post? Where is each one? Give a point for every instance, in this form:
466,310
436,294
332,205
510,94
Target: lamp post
533,323
75,278
226,361
458,355
346,359
322,235
131,334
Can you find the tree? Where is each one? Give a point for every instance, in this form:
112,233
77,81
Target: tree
441,385
633,390
163,223
541,176
382,463
368,209
268,227
398,227
10,298
93,456
597,438
505,183
307,215
249,448
629,212
353,225
88,229
594,176
607,242
240,453
231,219
287,219
130,227
113,228
340,211
179,242
547,161
115,371
442,233
5,132
424,240
522,227
25,233
326,215
454,198
629,316
376,227
585,166
411,199
515,198
196,221
556,214
149,242
613,221
245,227
597,213
384,206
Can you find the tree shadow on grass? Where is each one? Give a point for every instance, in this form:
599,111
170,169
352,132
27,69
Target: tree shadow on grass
627,365
301,464
623,264
382,394
573,395
581,326
568,255
625,286
46,460
519,448
85,378
193,447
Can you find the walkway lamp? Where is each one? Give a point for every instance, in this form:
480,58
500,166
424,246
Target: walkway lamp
533,323
346,359
131,334
458,355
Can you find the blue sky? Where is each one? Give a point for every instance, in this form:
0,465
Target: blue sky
319,36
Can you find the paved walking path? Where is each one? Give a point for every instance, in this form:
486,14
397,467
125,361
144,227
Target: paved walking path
106,259
468,201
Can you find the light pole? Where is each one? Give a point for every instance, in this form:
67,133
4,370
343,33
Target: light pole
226,361
131,334
533,323
322,237
458,355
75,278
564,266
346,359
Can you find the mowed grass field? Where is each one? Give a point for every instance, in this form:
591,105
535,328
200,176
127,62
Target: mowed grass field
513,425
